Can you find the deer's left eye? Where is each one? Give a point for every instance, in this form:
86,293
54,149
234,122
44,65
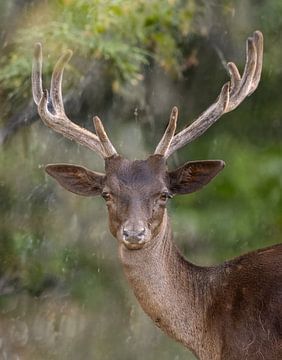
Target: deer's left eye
165,195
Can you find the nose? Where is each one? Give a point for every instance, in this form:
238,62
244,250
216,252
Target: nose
134,236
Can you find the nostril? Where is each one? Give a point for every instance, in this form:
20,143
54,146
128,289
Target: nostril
125,233
136,235
141,233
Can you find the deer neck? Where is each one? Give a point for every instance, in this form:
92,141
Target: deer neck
170,290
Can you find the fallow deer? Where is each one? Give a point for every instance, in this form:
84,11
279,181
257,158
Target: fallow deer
231,311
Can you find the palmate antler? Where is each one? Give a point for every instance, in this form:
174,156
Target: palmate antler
231,95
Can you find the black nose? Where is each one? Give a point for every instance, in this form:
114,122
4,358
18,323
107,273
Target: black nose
133,236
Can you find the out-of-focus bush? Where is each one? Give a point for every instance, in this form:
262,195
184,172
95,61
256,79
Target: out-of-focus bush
123,33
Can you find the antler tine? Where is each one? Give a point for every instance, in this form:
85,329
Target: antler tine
56,82
36,78
232,94
234,75
103,137
164,144
59,121
254,62
258,39
241,91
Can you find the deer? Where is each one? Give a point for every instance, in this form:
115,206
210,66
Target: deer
230,311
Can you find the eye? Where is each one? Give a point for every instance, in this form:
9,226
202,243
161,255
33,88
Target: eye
106,195
165,195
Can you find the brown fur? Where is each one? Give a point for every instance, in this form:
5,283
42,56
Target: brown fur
228,312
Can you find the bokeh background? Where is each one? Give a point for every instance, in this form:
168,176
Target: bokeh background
62,290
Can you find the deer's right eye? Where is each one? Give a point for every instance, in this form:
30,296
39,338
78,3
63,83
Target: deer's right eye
106,195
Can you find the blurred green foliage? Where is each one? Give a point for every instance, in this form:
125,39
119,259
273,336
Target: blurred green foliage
242,211
54,242
122,33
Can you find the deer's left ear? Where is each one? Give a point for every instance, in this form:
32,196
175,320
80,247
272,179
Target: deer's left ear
193,175
77,179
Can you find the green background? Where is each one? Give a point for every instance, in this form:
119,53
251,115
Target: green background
63,293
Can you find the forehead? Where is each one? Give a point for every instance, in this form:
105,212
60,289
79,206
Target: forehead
122,173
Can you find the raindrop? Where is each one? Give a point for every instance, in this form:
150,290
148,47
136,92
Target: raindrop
136,114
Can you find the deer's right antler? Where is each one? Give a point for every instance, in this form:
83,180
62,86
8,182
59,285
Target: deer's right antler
52,112
231,95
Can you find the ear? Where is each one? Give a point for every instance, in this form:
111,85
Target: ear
77,179
193,175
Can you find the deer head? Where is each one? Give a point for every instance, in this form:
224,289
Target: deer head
136,192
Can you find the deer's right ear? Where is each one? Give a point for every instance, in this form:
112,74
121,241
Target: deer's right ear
77,179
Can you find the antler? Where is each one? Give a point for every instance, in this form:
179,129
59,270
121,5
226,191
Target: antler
231,95
51,109
165,142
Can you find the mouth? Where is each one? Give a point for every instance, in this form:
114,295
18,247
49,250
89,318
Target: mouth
134,245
